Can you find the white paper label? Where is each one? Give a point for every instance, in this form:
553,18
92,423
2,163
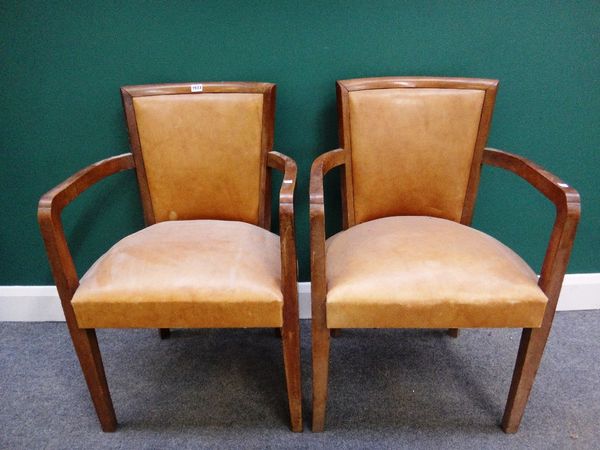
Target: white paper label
197,88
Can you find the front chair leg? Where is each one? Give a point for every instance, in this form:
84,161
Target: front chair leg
88,352
291,359
320,367
164,333
530,354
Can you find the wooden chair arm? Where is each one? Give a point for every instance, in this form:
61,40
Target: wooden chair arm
50,207
286,165
68,190
289,263
552,187
568,209
320,167
323,164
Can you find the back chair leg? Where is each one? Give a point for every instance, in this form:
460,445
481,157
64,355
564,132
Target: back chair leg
88,352
530,354
320,368
164,333
453,332
291,360
335,332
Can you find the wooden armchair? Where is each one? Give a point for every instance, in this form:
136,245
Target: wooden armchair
206,259
411,156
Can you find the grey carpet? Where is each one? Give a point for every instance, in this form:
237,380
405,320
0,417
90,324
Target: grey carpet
225,389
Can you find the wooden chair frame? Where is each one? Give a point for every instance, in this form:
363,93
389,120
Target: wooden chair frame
65,274
565,199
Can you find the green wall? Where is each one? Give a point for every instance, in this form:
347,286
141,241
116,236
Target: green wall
62,63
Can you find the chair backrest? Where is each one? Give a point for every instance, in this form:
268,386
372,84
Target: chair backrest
414,145
201,149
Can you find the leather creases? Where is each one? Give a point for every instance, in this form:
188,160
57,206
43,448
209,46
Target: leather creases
425,272
185,274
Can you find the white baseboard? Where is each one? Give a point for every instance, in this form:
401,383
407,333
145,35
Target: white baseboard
304,299
41,303
30,304
580,291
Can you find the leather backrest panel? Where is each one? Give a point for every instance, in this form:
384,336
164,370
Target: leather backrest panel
412,150
202,154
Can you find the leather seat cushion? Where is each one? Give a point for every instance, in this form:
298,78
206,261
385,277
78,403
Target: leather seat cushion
425,272
196,273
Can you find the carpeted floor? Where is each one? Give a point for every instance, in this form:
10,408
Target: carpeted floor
225,389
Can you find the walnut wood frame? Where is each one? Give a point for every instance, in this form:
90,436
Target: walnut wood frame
65,274
565,199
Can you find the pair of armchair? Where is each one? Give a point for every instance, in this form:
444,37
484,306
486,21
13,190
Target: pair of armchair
411,154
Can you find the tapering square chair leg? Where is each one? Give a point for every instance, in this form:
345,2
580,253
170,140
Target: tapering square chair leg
453,332
291,359
530,354
320,368
88,352
164,333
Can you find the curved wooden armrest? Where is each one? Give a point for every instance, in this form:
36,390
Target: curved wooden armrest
323,164
320,167
68,190
289,263
288,166
51,205
568,209
552,187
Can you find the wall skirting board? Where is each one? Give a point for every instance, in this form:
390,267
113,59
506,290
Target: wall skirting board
41,303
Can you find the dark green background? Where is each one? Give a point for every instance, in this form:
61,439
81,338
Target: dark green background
62,63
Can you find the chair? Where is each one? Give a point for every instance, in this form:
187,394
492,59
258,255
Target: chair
206,259
411,155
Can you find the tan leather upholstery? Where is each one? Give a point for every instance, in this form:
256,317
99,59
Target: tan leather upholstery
425,272
202,154
412,150
200,273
